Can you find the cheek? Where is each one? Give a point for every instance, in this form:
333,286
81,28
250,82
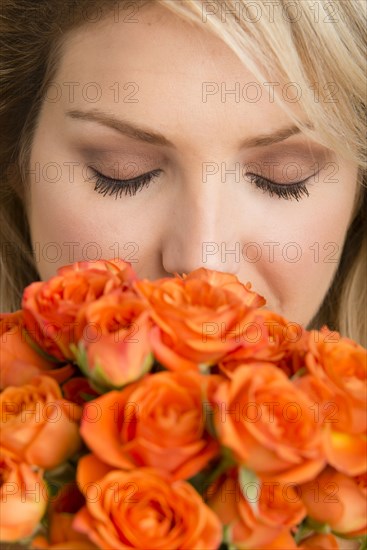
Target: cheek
69,225
299,279
300,260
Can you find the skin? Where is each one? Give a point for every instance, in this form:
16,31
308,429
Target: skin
168,61
163,228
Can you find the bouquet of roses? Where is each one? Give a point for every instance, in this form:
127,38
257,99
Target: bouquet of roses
176,414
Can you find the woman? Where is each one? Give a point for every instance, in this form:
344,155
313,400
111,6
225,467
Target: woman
241,94
176,134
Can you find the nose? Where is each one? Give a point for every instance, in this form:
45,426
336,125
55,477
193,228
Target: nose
202,231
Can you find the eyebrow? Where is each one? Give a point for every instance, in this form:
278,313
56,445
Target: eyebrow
144,134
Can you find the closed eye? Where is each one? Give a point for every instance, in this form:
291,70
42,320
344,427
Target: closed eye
110,186
285,191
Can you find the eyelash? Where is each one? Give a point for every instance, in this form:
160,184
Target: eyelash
110,186
283,191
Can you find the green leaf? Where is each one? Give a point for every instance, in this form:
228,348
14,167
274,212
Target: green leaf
204,368
322,528
208,413
245,475
250,486
361,539
226,462
199,482
27,337
63,474
148,363
80,354
302,532
227,535
301,372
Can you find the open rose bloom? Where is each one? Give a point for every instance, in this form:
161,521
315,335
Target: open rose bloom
176,414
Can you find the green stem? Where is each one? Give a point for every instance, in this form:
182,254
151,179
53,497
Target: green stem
225,464
40,351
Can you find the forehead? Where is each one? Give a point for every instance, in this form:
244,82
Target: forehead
155,36
162,68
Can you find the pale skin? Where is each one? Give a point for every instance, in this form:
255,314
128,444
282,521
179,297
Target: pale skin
195,199
196,212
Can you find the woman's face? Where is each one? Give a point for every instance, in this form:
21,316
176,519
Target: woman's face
158,95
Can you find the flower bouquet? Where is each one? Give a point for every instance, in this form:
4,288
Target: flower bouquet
176,414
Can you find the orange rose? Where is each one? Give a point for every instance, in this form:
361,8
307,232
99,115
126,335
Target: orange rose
278,504
61,513
345,451
267,422
62,536
198,320
342,366
23,497
50,308
257,513
157,422
120,268
38,425
284,541
337,384
273,339
19,362
117,310
337,500
320,542
228,282
114,349
141,509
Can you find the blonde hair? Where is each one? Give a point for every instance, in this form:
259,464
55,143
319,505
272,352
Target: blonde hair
310,44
